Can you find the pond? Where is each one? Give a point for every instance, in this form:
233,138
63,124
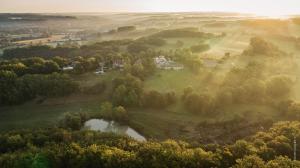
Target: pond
112,126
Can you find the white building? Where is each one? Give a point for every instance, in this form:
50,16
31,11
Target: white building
100,70
119,63
162,63
68,68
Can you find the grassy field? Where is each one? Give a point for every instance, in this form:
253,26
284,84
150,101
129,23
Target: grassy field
165,81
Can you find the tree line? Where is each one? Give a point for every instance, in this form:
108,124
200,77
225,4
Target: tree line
55,147
15,90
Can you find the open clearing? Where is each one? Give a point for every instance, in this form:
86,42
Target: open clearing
168,80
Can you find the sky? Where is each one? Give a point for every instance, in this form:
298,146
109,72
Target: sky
260,7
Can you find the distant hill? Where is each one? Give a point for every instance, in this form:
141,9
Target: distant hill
184,32
32,17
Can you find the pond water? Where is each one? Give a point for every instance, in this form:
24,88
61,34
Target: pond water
112,126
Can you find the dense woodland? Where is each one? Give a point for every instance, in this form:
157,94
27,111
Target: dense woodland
64,148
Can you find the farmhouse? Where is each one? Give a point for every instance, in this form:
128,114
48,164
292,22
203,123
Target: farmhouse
100,70
119,63
68,68
162,63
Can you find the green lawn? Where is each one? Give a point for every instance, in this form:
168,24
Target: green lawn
169,80
90,79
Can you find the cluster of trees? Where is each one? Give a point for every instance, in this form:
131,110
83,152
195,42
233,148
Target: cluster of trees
35,65
141,66
82,65
277,141
37,51
137,47
14,89
40,65
186,57
259,46
197,103
139,70
62,148
155,41
127,91
155,99
117,113
251,84
73,121
247,85
105,51
255,161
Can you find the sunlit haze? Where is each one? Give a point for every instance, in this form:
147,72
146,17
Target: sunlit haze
260,7
150,83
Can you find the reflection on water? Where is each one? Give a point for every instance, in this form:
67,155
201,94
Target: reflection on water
111,126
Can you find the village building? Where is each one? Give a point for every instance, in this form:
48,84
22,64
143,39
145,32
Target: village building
99,72
101,69
119,63
162,63
68,68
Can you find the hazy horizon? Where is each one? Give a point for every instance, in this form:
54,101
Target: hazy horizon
262,7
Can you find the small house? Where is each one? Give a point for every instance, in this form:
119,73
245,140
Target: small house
119,63
99,72
162,63
68,68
